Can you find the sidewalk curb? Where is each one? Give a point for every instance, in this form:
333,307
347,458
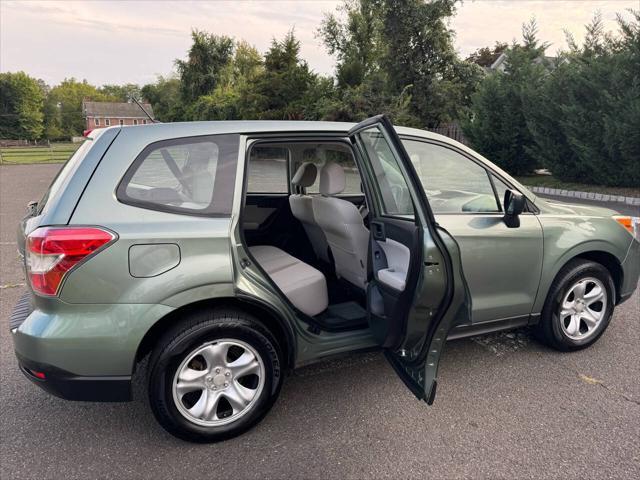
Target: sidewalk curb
600,197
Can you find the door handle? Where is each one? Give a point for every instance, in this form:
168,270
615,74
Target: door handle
378,231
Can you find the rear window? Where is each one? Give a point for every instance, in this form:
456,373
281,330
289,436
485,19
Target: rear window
193,175
65,174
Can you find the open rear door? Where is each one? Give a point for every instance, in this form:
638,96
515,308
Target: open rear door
416,290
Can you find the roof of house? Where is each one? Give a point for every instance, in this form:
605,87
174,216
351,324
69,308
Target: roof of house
503,57
115,109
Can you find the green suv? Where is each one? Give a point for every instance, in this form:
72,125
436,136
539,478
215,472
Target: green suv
229,253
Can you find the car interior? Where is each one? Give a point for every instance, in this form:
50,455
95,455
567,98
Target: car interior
306,223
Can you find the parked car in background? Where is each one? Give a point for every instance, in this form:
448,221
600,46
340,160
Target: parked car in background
229,253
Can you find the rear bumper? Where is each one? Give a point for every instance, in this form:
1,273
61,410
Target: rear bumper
73,387
59,382
80,351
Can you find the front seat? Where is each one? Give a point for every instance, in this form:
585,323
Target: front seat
343,226
302,209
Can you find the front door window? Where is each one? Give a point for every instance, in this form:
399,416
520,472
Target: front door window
453,183
392,189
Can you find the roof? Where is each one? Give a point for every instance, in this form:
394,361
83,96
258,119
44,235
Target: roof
247,127
498,61
115,109
545,59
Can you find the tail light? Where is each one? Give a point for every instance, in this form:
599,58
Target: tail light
51,252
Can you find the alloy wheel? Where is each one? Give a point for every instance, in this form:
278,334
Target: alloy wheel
219,382
583,308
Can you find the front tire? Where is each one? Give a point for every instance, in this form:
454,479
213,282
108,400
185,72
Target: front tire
214,376
579,306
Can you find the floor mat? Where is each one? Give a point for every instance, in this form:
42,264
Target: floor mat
347,311
343,316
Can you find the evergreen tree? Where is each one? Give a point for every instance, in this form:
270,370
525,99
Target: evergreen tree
206,61
497,126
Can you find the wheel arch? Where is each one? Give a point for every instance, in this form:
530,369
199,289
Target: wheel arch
280,329
611,263
600,256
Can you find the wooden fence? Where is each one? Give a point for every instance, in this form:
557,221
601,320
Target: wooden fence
52,153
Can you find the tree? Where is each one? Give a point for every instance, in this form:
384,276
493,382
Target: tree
585,122
165,98
281,91
234,96
355,42
21,101
247,63
121,93
207,59
68,97
403,50
486,56
498,125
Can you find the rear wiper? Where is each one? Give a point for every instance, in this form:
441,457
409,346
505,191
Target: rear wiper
32,208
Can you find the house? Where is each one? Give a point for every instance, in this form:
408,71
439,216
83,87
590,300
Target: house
107,114
501,63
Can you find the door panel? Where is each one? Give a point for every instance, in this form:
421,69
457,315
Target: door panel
390,305
411,323
255,216
502,265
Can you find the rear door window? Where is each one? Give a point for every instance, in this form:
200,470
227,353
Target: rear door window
189,175
324,154
268,170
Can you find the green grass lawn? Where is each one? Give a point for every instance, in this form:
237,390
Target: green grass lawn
550,182
57,153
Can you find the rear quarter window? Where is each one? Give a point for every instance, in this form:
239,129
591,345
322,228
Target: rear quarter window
194,175
64,175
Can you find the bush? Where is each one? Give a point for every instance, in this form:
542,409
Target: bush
579,117
497,126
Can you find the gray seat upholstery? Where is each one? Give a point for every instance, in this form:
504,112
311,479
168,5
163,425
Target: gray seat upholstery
303,285
302,209
343,226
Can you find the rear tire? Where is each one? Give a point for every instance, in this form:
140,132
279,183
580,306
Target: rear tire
579,306
214,376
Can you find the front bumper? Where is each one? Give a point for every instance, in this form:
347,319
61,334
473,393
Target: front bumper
630,271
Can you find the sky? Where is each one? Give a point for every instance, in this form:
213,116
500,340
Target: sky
130,41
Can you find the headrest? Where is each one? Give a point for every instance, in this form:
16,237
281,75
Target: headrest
305,175
332,179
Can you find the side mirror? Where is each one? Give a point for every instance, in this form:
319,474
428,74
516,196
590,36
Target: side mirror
514,203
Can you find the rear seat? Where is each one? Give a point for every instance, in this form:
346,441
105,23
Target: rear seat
302,284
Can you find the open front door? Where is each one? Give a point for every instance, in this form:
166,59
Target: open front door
416,290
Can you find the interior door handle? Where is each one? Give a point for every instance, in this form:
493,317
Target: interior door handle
378,231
